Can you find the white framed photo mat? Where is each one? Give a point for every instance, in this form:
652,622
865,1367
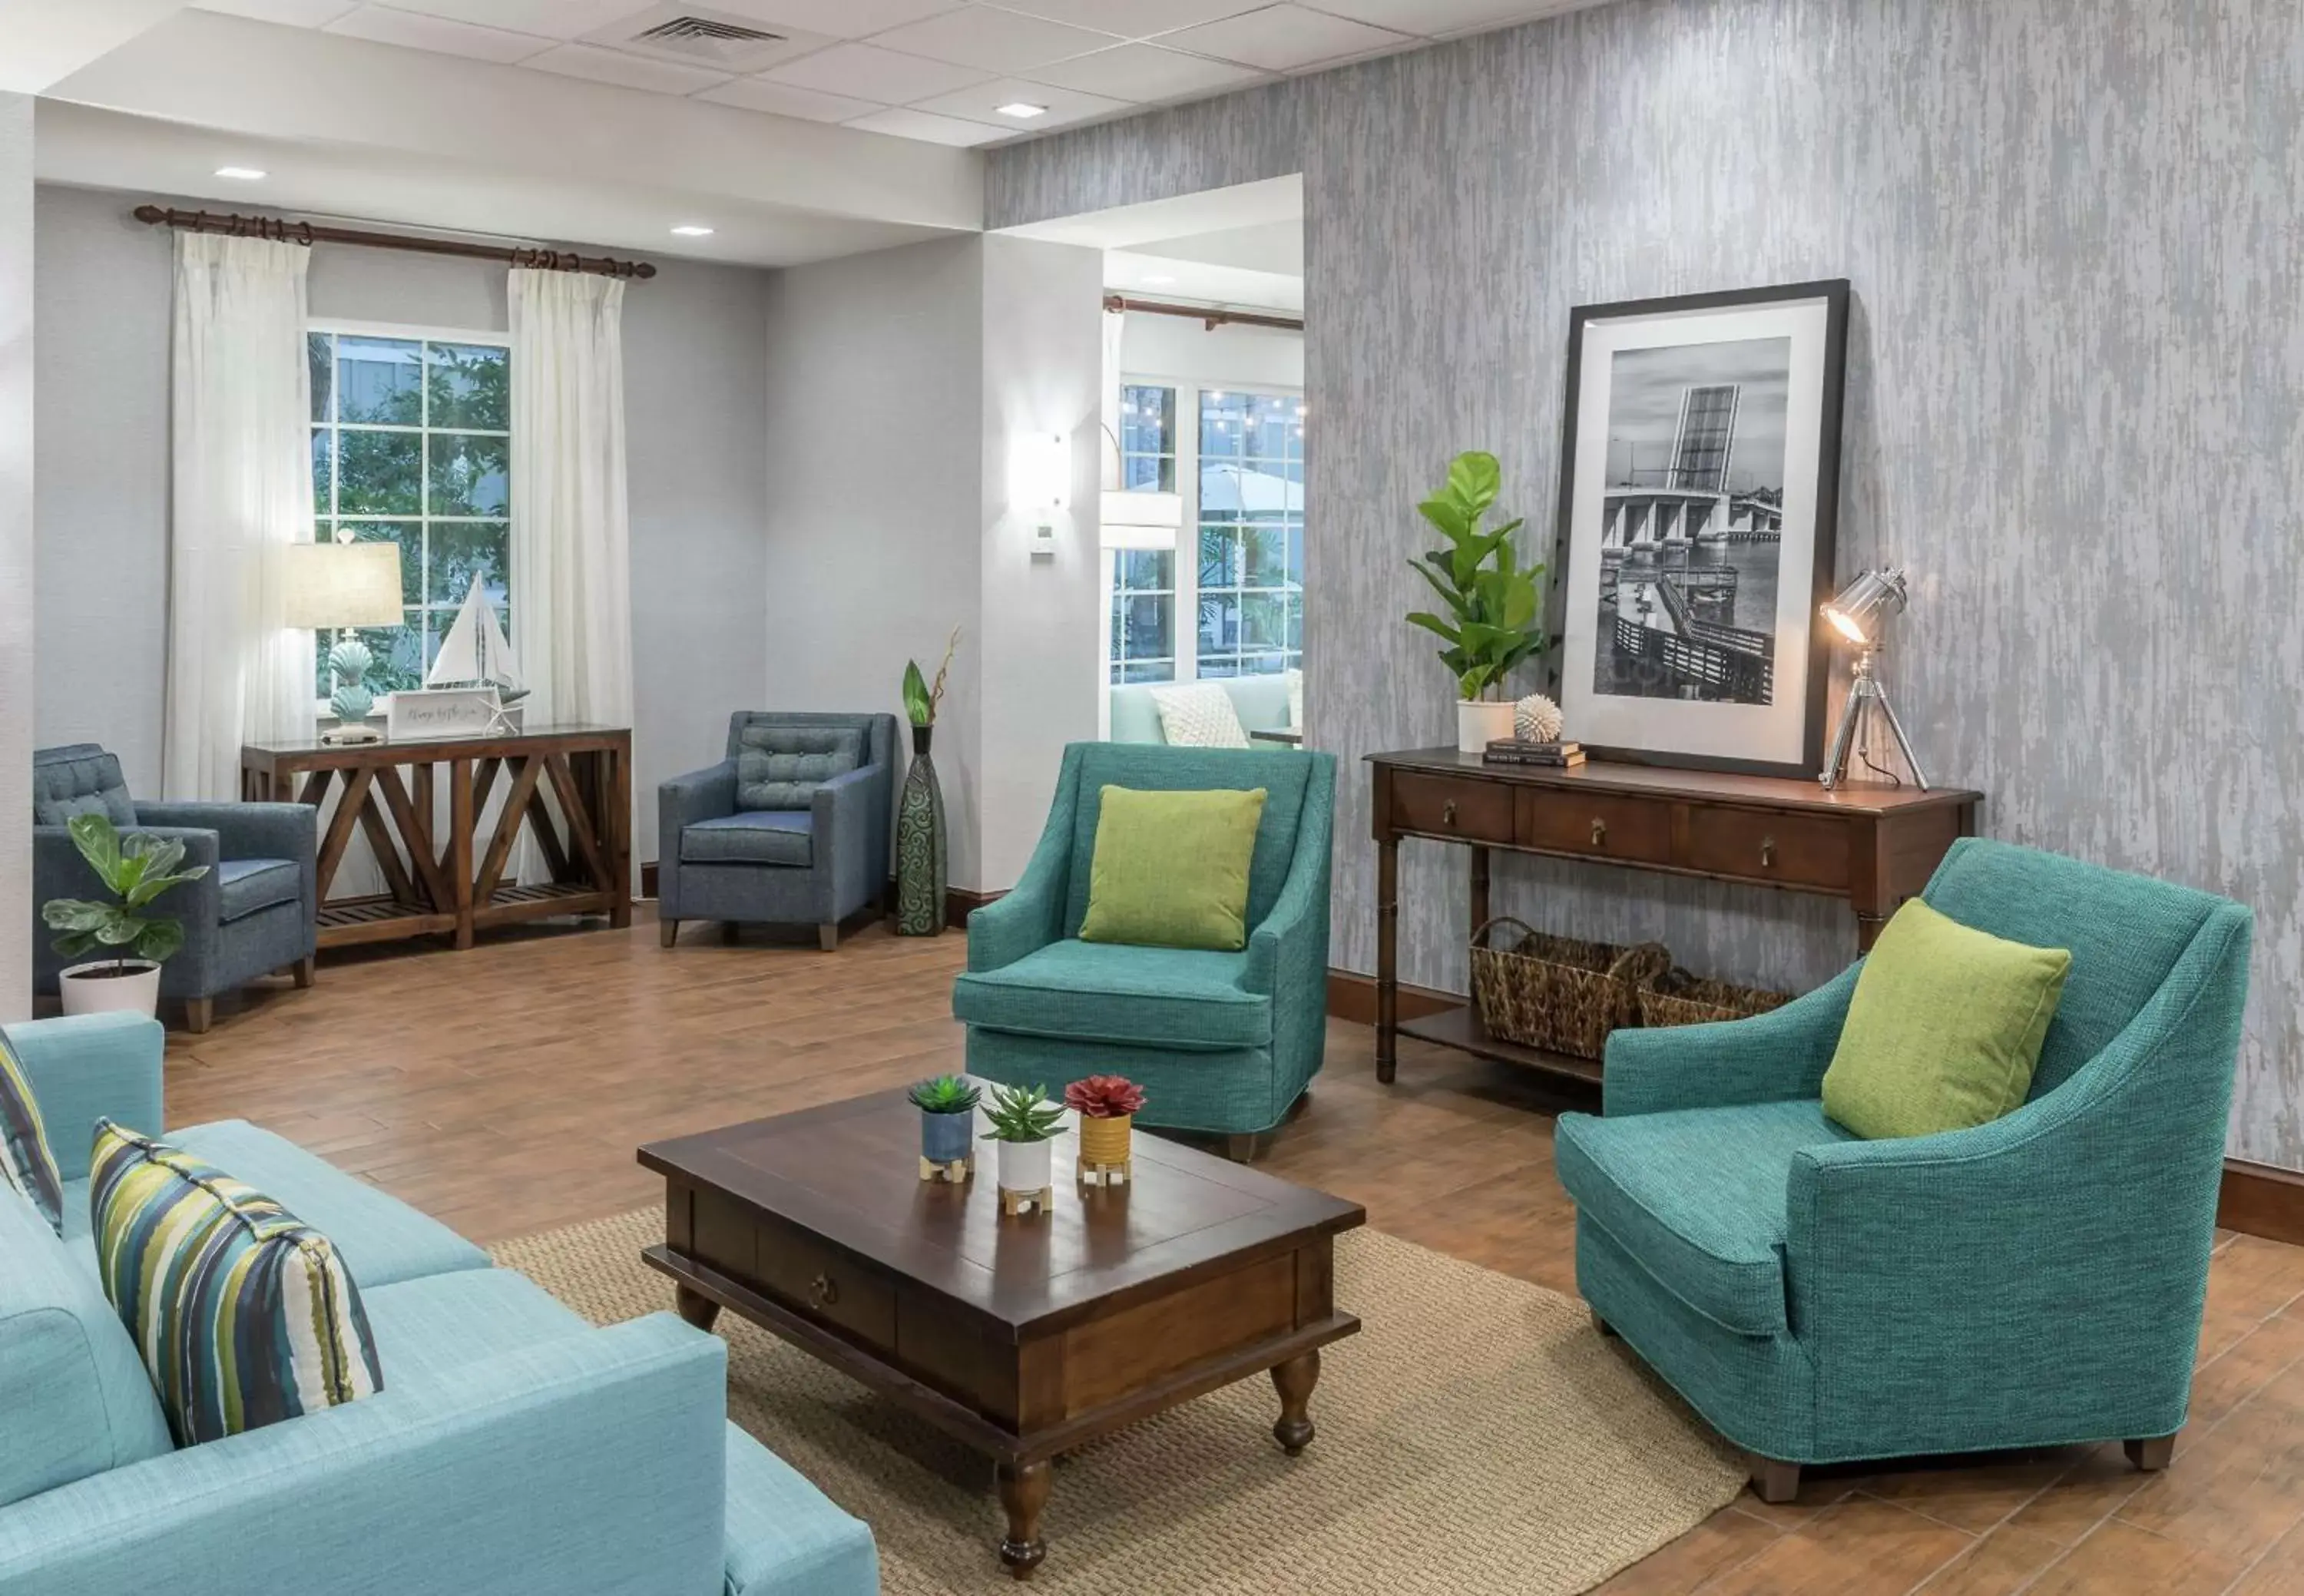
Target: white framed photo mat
1699,490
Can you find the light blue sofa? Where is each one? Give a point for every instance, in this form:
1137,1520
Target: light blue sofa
1221,1042
2032,1282
514,1449
1262,703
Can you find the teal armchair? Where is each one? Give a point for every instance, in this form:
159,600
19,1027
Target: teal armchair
1221,1042
2036,1281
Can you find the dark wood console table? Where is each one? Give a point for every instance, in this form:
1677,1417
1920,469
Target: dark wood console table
1870,843
439,877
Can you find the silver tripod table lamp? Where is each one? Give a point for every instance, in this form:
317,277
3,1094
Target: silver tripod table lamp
1858,615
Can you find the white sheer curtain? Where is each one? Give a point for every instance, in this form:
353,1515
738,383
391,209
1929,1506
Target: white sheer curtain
242,488
571,539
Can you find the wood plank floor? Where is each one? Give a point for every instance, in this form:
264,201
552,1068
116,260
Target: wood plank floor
503,1090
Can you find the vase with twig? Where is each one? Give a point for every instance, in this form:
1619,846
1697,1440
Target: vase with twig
922,872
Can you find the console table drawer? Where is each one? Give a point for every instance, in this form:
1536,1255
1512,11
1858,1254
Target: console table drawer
1598,825
1756,845
1477,812
825,1286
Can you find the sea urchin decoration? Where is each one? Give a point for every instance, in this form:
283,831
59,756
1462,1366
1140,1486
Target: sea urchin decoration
1535,718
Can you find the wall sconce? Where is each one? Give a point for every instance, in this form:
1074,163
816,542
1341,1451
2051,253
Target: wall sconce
1040,481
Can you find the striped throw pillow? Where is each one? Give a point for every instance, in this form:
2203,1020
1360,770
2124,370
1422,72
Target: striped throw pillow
244,1315
25,1161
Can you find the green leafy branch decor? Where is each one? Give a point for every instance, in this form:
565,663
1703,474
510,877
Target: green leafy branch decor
946,1094
1024,1113
135,873
1494,605
920,701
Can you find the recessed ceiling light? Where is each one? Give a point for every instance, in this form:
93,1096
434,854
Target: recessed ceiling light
241,173
1022,110
691,230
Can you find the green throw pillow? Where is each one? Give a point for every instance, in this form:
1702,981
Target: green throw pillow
1170,868
1943,1030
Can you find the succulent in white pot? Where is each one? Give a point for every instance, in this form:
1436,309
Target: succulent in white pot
1025,1125
134,943
1495,605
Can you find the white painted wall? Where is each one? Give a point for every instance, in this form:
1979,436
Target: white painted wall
1043,618
1248,357
15,556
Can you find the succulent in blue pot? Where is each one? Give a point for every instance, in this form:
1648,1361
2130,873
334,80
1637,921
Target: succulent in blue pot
947,1106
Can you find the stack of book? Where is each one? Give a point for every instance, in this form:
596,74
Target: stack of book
1512,750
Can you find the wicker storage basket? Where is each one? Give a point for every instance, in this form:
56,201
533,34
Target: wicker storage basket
1680,998
1555,992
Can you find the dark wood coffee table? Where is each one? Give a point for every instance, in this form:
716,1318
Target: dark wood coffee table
1023,1337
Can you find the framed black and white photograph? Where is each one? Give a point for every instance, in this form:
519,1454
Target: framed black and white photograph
1700,478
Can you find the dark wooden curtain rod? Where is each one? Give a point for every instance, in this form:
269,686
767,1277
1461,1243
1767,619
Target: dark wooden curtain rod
310,233
1202,313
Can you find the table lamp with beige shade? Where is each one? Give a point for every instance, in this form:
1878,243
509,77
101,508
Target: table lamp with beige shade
333,586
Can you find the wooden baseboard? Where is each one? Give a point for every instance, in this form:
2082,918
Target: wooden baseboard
2261,1199
1351,995
959,904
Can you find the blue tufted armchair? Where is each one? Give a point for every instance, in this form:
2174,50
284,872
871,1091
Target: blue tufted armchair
2032,1282
791,828
256,911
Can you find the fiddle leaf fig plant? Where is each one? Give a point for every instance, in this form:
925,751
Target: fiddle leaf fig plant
1494,604
135,872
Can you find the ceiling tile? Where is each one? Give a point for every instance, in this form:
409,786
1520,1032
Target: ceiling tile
867,73
923,124
837,18
1146,72
557,19
1134,19
632,71
1280,37
786,99
1065,106
1434,17
997,41
293,14
389,27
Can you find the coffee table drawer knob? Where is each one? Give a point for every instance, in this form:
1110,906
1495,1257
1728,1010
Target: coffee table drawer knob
825,1290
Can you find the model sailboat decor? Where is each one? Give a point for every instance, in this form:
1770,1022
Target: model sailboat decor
473,678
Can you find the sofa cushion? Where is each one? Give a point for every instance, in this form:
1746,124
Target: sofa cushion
429,1328
1198,714
381,1238
244,885
1697,1196
751,836
785,1537
26,1161
75,1397
78,778
1174,997
1170,868
244,1315
780,766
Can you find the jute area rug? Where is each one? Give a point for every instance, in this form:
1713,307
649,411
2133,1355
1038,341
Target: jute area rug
1476,1436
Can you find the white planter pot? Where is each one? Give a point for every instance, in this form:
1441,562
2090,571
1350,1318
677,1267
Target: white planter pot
1027,1166
87,991
1480,722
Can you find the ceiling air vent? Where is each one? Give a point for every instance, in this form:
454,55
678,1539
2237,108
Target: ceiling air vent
698,37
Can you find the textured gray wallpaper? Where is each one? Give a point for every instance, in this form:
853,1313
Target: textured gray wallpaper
2076,231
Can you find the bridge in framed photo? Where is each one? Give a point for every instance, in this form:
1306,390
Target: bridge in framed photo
1657,623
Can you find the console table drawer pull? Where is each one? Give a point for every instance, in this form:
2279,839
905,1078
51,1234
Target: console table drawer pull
1767,852
1599,832
1448,814
825,1290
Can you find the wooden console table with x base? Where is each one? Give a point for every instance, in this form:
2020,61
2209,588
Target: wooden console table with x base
1869,842
443,881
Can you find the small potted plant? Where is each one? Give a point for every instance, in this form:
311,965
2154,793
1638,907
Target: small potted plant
134,873
1107,1105
1494,621
947,1106
1025,1124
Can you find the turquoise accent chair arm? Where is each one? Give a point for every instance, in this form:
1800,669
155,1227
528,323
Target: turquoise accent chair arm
87,1068
592,1463
1976,1262
1031,914
1290,946
1774,1058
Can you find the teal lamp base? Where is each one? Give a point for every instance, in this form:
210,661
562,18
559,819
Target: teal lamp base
351,701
